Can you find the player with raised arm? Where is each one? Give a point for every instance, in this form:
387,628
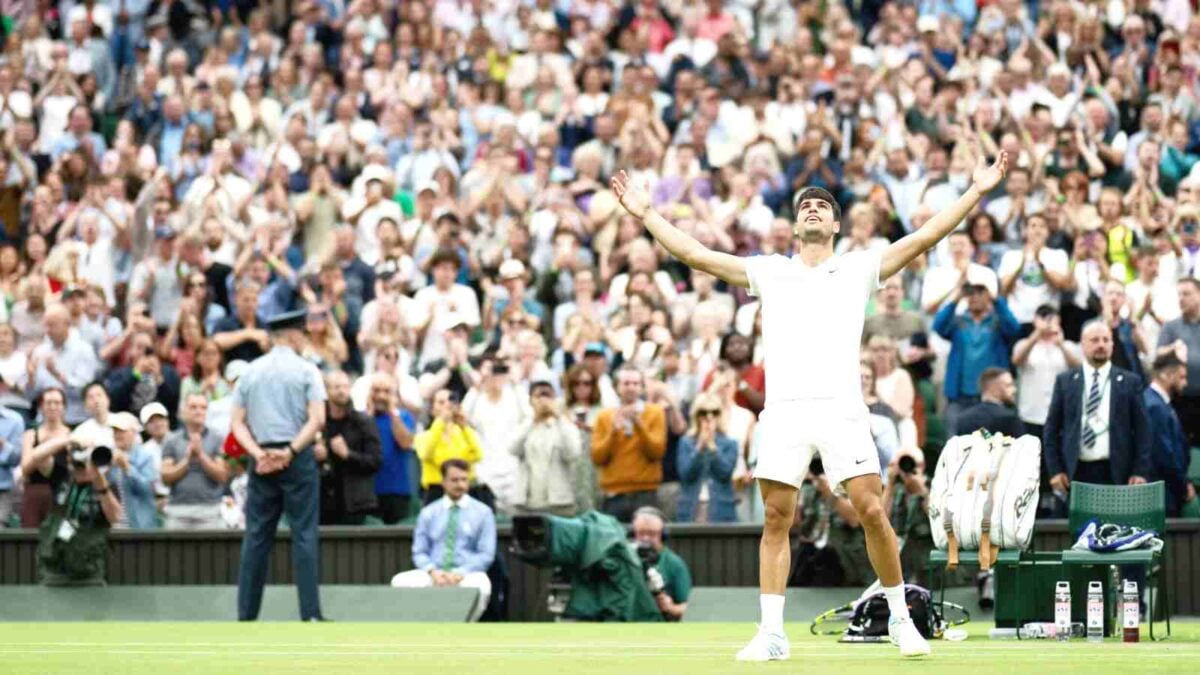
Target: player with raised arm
813,308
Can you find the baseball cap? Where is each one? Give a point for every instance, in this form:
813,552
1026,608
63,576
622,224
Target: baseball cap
429,186
451,320
124,421
150,410
512,269
595,348
164,232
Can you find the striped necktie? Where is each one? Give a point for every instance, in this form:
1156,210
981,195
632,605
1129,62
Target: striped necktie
450,541
1093,405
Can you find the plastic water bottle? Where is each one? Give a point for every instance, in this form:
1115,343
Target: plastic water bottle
1129,609
1095,611
1062,610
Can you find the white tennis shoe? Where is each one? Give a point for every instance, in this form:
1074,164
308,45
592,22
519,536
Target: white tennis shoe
903,632
766,647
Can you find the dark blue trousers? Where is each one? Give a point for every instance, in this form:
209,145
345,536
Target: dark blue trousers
295,491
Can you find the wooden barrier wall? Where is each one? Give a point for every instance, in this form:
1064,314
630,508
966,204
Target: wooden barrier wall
718,555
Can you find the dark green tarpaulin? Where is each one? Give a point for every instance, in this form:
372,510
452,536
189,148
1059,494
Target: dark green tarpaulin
607,581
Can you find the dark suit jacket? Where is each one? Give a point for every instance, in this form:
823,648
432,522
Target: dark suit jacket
1128,428
348,485
1169,452
992,417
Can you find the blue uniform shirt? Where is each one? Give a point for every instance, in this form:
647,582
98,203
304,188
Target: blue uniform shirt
275,392
474,545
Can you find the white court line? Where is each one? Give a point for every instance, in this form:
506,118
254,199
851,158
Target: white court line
721,656
844,654
551,645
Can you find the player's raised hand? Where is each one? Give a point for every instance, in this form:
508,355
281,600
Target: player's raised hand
986,178
635,199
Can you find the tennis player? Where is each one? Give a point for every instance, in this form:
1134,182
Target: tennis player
813,309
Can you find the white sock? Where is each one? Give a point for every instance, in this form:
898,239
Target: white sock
772,613
896,604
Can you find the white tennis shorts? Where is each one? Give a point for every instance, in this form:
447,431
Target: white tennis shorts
794,431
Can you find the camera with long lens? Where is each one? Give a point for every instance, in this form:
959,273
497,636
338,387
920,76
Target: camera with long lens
99,456
907,464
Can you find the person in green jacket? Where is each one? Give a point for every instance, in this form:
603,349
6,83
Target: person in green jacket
649,525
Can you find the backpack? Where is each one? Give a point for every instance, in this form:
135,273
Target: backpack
869,619
984,495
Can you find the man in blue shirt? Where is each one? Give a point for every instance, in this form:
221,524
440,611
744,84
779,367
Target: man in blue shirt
278,408
12,428
980,338
455,540
394,482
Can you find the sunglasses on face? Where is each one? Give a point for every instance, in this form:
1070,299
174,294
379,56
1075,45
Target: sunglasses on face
708,413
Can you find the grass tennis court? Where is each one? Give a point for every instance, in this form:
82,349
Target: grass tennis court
535,648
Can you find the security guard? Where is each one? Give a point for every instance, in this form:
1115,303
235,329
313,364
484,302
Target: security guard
278,408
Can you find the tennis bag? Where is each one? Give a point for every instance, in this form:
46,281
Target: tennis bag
984,495
870,617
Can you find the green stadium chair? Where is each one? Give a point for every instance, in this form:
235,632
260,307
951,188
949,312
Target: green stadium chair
1194,467
1141,506
938,560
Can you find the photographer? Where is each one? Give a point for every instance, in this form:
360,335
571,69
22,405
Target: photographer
906,493
832,545
73,542
666,573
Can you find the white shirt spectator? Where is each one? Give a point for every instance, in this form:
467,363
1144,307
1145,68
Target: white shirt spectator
1035,379
436,303
1032,289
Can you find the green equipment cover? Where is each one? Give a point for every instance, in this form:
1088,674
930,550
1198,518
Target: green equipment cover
607,579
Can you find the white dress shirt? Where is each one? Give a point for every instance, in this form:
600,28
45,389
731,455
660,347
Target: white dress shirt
1099,420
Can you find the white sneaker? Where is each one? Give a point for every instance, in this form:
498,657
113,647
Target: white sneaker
766,647
903,632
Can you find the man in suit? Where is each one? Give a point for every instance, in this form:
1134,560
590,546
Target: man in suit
1169,452
1096,431
995,412
455,540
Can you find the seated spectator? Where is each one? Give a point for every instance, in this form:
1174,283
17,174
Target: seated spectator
649,526
98,407
395,480
146,379
894,386
12,431
454,543
994,413
348,453
133,473
1039,359
62,360
449,436
706,460
547,448
979,339
156,427
43,462
497,409
628,443
195,471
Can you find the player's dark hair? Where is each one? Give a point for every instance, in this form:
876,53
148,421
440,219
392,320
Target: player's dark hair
817,193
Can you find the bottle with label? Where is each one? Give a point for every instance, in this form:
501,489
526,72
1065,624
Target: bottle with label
1095,611
1129,610
1062,609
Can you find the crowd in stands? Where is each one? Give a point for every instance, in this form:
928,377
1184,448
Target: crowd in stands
430,180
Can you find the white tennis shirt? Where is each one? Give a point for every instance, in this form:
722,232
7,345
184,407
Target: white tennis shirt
813,324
